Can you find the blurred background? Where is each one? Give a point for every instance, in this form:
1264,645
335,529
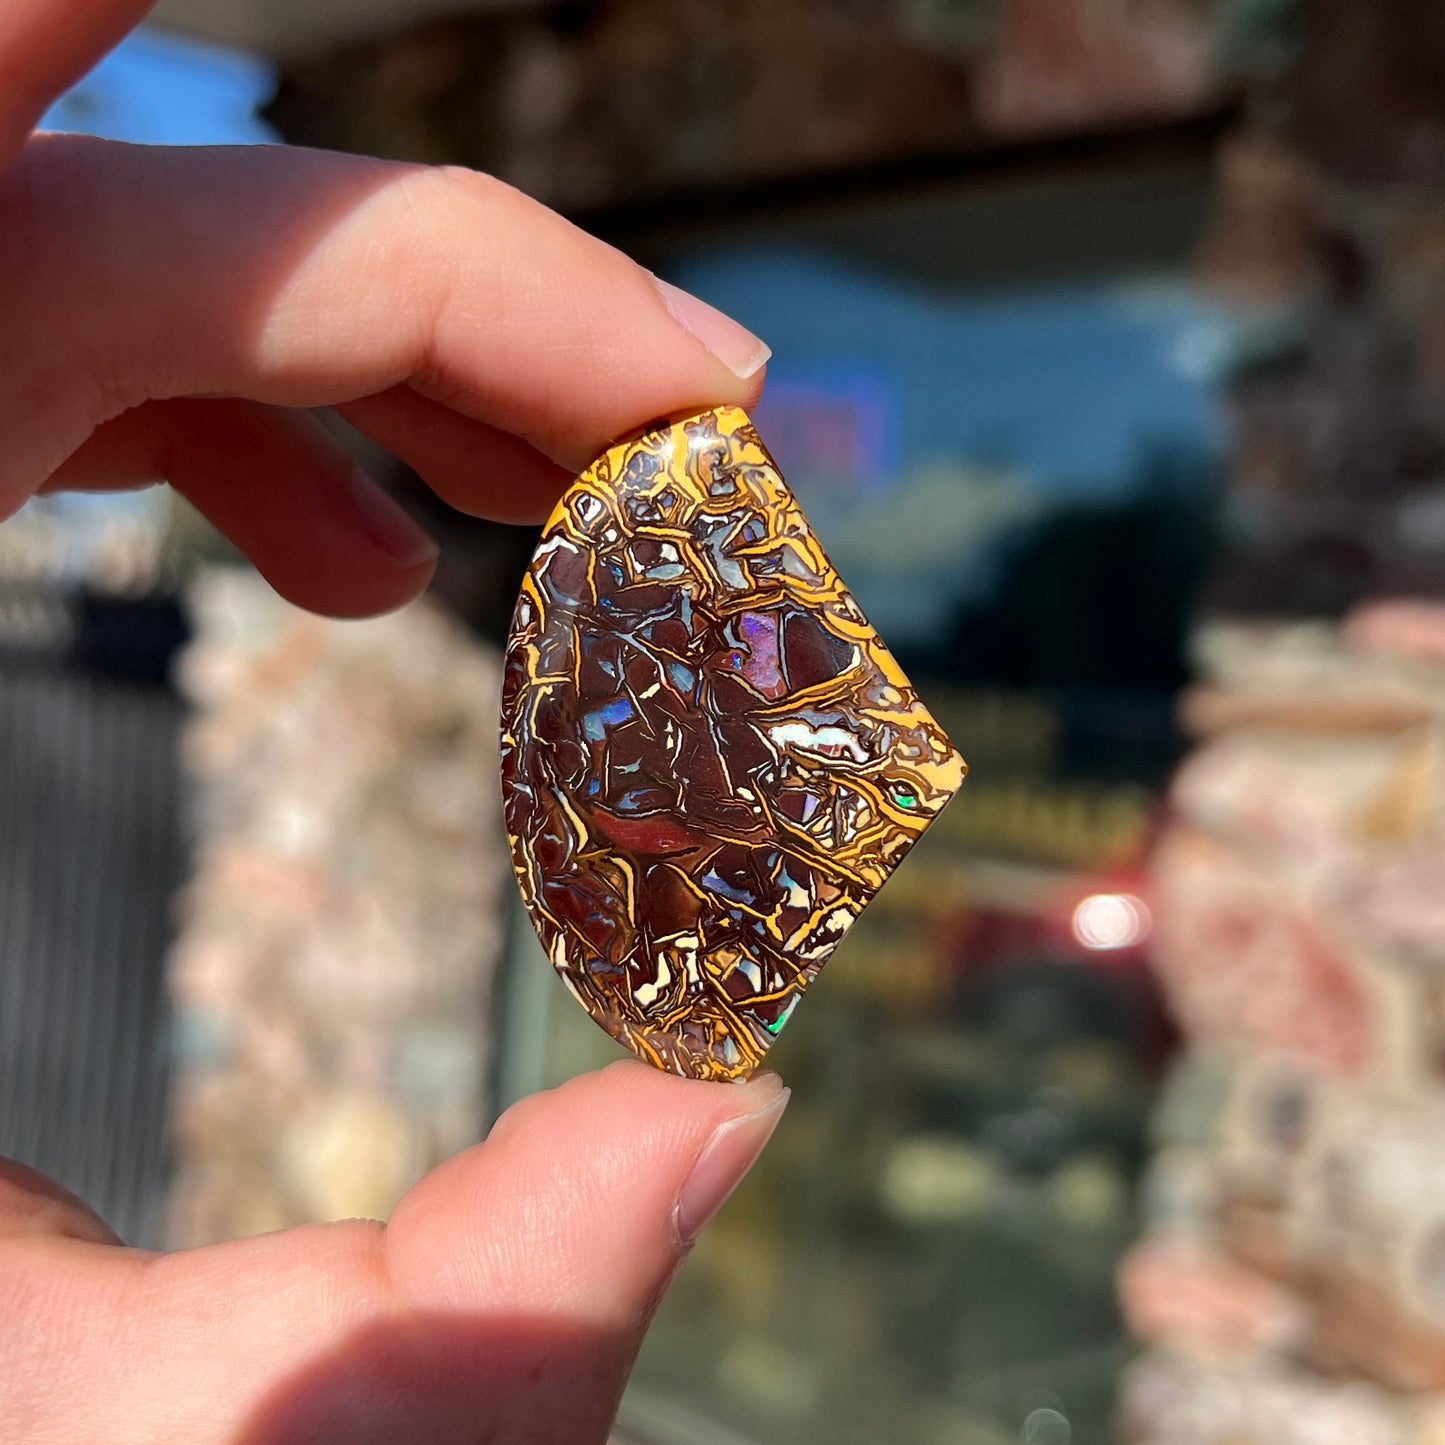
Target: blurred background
1110,368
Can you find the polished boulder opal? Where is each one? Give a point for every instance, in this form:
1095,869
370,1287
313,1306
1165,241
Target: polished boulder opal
710,762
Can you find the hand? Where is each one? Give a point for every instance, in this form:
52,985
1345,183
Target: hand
503,1302
163,312
163,315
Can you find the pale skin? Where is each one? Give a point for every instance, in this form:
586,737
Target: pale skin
173,316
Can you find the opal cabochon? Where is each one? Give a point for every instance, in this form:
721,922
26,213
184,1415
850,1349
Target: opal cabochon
710,761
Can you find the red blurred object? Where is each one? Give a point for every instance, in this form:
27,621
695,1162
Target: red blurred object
1100,925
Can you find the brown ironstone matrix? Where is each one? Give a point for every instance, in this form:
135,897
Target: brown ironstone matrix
710,761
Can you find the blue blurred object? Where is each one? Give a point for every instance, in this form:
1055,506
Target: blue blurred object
977,458
159,89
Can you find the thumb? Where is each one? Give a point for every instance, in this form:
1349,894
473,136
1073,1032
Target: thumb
505,1300
585,1197
528,1269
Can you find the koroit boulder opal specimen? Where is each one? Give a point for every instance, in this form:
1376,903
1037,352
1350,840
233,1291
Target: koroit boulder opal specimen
710,761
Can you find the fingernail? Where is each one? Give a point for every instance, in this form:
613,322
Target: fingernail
388,524
733,345
727,1157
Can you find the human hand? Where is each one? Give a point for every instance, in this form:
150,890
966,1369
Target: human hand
166,315
166,312
503,1301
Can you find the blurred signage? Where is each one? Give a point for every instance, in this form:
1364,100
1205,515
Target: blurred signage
1019,801
833,426
1068,824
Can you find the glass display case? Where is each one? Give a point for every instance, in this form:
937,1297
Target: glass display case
1015,467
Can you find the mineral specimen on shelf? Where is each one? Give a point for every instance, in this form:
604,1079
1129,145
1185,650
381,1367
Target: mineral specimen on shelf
332,978
710,762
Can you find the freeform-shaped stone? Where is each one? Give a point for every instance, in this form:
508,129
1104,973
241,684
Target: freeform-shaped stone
710,762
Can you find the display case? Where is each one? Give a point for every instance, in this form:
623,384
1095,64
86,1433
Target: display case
1014,465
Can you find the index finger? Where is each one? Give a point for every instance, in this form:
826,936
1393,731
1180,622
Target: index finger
45,47
298,279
